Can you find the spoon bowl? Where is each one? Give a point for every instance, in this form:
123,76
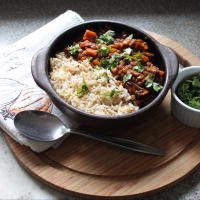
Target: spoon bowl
45,127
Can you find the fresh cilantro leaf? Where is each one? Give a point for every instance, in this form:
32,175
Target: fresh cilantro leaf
106,76
157,87
104,63
83,90
107,37
130,36
196,81
138,57
128,58
127,77
195,102
189,91
115,55
110,63
112,93
104,50
149,81
90,59
128,51
73,50
139,68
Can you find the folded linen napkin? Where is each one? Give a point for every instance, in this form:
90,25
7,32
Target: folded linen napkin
18,90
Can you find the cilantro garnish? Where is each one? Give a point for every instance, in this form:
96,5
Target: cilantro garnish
107,37
128,51
130,36
83,90
127,77
110,63
150,83
90,59
139,68
73,50
106,76
138,57
110,94
104,50
189,91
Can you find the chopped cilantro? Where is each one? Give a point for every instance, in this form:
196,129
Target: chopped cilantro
157,87
110,63
130,36
128,58
106,76
127,77
189,91
139,68
73,50
107,37
83,90
150,83
128,51
90,59
110,94
138,57
104,50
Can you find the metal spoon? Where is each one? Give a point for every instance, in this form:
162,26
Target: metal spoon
45,127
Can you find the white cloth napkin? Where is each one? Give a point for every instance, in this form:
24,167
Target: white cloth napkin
18,90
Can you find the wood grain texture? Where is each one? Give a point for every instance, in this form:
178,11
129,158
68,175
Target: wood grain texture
94,170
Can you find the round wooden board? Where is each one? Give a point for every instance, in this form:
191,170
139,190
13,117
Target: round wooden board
91,170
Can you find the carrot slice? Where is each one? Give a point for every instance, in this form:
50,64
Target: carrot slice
90,52
89,35
95,62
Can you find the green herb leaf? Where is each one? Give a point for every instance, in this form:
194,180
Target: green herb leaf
149,81
107,37
128,51
90,59
110,63
189,91
130,36
195,102
73,50
104,63
112,93
127,77
104,50
157,87
128,58
139,68
115,55
106,76
196,81
83,90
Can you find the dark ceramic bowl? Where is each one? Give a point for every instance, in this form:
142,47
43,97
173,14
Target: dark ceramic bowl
165,58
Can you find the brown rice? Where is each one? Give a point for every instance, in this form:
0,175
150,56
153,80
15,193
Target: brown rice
67,76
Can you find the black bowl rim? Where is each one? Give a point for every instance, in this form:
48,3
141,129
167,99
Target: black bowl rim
51,91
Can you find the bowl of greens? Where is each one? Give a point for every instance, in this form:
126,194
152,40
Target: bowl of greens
185,104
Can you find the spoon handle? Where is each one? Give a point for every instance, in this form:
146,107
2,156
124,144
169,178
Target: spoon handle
122,142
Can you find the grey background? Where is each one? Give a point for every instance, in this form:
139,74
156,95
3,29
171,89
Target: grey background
179,20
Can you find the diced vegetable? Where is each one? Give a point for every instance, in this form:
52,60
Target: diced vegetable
89,35
90,52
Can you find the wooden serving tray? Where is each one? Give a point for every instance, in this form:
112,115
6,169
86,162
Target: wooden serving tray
93,170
